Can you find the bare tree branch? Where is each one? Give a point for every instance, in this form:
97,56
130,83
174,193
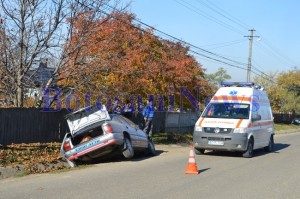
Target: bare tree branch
34,29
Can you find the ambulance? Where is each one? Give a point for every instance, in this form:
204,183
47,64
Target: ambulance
237,118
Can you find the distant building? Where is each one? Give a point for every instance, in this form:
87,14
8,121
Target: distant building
37,78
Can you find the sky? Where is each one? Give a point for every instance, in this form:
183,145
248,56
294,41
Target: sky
218,29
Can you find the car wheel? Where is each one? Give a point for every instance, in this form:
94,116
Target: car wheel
270,147
151,148
128,150
249,152
199,151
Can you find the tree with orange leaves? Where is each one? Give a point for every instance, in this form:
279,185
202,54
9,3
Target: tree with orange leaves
121,58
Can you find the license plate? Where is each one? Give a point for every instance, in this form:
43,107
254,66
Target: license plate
213,142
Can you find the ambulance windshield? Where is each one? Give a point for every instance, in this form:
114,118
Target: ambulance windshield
227,110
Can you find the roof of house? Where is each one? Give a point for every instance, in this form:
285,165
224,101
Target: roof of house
40,75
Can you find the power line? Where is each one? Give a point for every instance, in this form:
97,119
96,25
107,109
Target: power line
184,42
180,40
223,43
207,16
234,21
189,44
210,5
229,44
217,60
220,11
269,78
267,46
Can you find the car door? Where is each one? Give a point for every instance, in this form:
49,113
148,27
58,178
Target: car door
138,139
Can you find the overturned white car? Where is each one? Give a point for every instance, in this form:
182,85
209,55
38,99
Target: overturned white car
95,133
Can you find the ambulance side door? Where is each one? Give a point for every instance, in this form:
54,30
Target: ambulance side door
257,130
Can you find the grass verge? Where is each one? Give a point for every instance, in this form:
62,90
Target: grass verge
283,127
173,138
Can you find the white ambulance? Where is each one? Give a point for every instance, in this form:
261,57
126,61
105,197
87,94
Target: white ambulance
238,118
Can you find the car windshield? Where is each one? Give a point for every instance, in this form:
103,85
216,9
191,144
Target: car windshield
227,110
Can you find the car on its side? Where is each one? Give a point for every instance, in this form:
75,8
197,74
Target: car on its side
94,133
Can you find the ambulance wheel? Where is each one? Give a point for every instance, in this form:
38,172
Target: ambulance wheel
199,151
249,152
270,147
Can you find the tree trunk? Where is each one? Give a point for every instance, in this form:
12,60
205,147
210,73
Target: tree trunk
20,92
20,96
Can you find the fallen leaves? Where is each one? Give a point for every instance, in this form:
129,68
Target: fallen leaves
32,158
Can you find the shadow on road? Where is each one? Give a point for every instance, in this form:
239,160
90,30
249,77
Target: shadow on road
223,153
116,157
203,170
259,152
141,156
280,146
277,147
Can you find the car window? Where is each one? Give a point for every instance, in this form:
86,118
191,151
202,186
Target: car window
128,121
117,118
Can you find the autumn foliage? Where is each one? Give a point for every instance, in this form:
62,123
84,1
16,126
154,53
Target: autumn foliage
118,57
34,157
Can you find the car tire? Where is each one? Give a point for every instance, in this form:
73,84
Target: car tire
249,152
270,147
151,148
199,151
128,151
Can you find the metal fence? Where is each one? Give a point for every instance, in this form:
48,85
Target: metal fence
31,125
175,122
284,118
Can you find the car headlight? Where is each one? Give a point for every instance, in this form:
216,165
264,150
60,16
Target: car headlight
198,128
240,130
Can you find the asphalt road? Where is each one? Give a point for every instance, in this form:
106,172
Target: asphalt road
222,175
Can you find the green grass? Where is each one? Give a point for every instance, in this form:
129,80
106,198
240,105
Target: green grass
279,127
78,167
22,174
173,138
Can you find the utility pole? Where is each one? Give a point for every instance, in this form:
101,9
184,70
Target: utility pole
250,54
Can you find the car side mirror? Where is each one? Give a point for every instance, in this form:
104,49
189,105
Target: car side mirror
256,117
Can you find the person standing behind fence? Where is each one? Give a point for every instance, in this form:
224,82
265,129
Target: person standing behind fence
128,109
148,113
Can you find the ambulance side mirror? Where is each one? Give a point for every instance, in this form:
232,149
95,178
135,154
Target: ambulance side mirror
256,117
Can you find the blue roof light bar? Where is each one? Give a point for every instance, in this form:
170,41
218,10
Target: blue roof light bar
238,84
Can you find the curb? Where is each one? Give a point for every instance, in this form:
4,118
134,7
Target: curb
6,172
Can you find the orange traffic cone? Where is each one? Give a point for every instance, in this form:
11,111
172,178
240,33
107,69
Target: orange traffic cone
192,165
